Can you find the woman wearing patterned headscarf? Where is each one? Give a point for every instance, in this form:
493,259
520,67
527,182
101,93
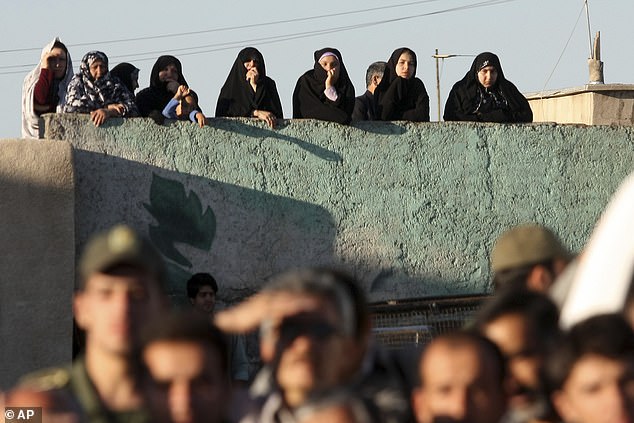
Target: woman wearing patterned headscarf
248,92
400,95
93,90
485,95
325,92
44,87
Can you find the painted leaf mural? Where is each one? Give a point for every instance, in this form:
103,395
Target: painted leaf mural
180,219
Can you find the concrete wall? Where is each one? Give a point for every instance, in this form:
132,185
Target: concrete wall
37,241
412,209
599,104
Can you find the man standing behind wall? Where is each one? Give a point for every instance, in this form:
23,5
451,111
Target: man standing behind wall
201,290
121,287
365,105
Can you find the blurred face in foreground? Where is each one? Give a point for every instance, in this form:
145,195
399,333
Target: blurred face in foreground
460,384
518,342
598,390
112,307
189,383
311,353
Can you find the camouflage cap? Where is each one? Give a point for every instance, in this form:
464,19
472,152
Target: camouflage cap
120,245
524,245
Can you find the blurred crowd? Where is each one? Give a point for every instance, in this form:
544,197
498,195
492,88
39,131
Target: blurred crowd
553,343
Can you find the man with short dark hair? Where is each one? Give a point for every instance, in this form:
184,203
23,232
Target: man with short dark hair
202,289
120,288
186,357
365,107
461,380
528,256
590,375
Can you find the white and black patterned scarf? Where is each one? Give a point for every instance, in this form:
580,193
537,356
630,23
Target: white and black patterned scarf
86,94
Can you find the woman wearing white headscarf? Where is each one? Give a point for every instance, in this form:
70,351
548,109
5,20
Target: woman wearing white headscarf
44,88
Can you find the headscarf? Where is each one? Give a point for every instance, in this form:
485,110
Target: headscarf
237,97
466,97
156,96
390,69
319,73
125,72
309,100
30,119
399,98
86,94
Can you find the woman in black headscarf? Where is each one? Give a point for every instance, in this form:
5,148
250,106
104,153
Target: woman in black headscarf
400,95
325,92
128,74
248,92
166,77
485,95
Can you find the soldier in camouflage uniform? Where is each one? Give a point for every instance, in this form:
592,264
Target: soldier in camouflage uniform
120,287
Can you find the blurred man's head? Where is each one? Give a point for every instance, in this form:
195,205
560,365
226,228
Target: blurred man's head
316,349
524,325
121,287
201,290
56,405
461,381
528,256
590,375
186,358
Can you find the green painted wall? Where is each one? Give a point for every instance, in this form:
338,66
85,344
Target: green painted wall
412,209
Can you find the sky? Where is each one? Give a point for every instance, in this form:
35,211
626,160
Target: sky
542,44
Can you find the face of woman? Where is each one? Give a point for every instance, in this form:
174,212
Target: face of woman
98,69
250,64
406,66
487,76
169,73
329,63
57,62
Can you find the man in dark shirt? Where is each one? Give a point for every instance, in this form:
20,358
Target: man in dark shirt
365,105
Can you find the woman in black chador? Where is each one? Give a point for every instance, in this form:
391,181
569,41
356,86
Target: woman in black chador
165,78
325,92
485,95
400,95
248,92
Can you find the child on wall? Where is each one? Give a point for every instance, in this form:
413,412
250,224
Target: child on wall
184,106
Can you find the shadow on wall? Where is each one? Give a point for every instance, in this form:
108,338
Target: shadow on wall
247,130
242,236
36,266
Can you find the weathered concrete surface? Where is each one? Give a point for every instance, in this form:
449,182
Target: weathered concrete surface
37,241
594,104
412,209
